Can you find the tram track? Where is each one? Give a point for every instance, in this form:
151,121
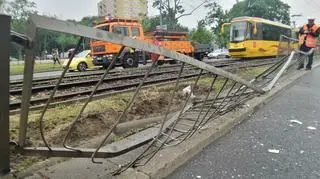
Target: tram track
79,90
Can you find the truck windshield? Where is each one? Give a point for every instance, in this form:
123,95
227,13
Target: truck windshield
105,28
238,31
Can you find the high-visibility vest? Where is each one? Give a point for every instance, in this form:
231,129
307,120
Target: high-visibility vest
309,39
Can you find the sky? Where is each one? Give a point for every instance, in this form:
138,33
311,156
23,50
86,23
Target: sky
76,9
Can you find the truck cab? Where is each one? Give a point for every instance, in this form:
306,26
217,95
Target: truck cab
103,52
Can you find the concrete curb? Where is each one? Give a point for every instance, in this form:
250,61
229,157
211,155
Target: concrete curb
169,159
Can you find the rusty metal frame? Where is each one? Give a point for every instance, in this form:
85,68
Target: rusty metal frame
4,94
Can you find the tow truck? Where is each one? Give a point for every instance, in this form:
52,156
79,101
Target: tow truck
103,52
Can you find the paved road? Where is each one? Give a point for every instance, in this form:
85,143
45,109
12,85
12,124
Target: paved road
56,73
251,150
37,75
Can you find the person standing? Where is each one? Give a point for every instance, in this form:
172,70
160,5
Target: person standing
307,40
55,54
70,52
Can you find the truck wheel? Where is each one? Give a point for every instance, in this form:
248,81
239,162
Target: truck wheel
130,61
173,61
160,62
82,66
106,64
199,57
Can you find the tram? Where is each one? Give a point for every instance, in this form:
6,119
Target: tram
252,37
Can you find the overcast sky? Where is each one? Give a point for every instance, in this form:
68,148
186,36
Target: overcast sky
76,9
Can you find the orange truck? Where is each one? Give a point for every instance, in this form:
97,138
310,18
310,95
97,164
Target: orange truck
103,52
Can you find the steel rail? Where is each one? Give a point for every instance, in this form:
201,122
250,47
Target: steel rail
88,82
36,102
42,83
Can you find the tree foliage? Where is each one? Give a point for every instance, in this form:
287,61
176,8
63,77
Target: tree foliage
274,10
151,23
173,10
201,34
215,18
20,10
46,40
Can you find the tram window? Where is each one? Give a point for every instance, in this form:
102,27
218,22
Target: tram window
270,32
238,31
249,31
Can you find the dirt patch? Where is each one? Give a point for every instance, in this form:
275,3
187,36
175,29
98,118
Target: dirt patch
149,103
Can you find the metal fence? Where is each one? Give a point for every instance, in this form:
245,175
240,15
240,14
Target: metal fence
225,91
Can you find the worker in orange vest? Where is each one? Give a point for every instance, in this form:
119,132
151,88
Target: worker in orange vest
308,40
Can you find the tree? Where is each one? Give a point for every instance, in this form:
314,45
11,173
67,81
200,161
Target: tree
150,23
201,34
172,11
2,6
274,10
66,40
19,10
215,18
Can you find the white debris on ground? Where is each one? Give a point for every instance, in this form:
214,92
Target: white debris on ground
274,151
187,90
302,151
198,176
311,128
296,122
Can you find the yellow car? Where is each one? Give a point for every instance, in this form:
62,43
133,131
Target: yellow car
81,62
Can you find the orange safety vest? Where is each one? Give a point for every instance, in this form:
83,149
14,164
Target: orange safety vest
309,39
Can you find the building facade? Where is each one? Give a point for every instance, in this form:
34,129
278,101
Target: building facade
134,9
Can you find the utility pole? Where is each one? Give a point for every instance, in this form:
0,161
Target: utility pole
294,21
161,21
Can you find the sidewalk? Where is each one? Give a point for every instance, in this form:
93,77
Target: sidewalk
36,61
282,140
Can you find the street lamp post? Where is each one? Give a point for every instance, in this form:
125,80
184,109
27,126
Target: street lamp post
294,21
161,23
